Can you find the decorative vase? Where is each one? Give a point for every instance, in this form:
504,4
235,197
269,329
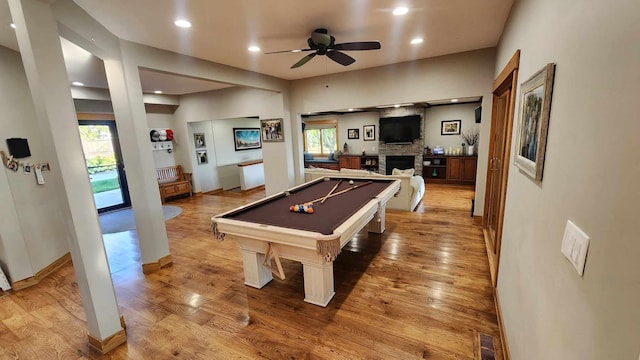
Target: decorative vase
470,150
434,173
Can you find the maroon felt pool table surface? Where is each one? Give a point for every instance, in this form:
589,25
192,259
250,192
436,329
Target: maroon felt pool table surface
326,217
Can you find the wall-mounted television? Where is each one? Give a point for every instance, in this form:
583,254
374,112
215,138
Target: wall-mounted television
401,129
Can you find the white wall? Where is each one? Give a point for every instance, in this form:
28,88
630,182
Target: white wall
39,236
221,172
357,121
162,158
591,177
226,153
435,115
205,176
235,103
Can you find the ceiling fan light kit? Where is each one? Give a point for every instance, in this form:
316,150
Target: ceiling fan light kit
321,43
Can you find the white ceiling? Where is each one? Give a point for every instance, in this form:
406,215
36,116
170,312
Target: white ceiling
223,30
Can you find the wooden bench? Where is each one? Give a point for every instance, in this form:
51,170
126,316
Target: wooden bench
172,181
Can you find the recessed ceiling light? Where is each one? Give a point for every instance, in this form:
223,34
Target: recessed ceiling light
400,11
254,48
157,92
77,83
350,109
182,23
13,25
416,41
454,100
396,105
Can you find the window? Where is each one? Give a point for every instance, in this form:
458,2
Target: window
320,137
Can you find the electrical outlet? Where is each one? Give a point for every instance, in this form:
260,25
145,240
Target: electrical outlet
575,244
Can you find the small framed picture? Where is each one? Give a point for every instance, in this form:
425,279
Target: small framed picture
202,157
272,130
353,133
27,168
198,139
369,132
450,127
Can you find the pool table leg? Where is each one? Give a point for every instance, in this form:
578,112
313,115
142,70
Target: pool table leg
318,282
255,274
377,225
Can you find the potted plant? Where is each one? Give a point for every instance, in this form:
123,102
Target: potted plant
471,137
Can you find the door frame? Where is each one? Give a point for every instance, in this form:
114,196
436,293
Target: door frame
109,120
508,77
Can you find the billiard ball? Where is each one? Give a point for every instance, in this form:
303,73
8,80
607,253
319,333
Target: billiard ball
350,182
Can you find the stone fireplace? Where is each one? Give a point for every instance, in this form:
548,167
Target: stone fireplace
399,162
413,150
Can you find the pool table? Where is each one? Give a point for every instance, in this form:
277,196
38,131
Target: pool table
267,230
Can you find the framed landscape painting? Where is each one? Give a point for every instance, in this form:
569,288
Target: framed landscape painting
246,138
535,105
272,130
450,127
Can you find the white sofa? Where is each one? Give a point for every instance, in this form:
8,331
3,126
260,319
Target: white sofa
411,187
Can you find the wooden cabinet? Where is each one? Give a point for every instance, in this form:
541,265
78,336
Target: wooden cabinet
349,162
469,165
450,169
365,162
454,169
436,171
369,162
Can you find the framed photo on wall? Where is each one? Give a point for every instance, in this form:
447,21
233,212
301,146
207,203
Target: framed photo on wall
369,132
198,139
533,125
246,138
272,130
202,157
353,133
450,127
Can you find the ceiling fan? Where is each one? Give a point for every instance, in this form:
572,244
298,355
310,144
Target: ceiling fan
321,43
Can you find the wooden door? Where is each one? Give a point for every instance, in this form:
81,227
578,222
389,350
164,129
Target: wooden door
504,90
454,169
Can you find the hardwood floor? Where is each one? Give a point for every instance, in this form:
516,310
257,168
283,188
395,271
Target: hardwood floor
421,290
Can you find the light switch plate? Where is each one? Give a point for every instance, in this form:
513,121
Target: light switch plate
575,244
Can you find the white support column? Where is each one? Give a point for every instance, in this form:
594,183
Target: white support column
318,282
131,119
40,49
255,274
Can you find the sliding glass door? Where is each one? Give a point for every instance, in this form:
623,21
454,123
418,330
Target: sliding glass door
104,163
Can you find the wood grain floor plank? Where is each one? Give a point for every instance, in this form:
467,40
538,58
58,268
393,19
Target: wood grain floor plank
421,290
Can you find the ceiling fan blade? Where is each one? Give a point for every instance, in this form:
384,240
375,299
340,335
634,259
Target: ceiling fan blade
286,51
361,45
303,61
340,57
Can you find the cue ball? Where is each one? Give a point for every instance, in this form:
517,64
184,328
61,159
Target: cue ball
350,182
